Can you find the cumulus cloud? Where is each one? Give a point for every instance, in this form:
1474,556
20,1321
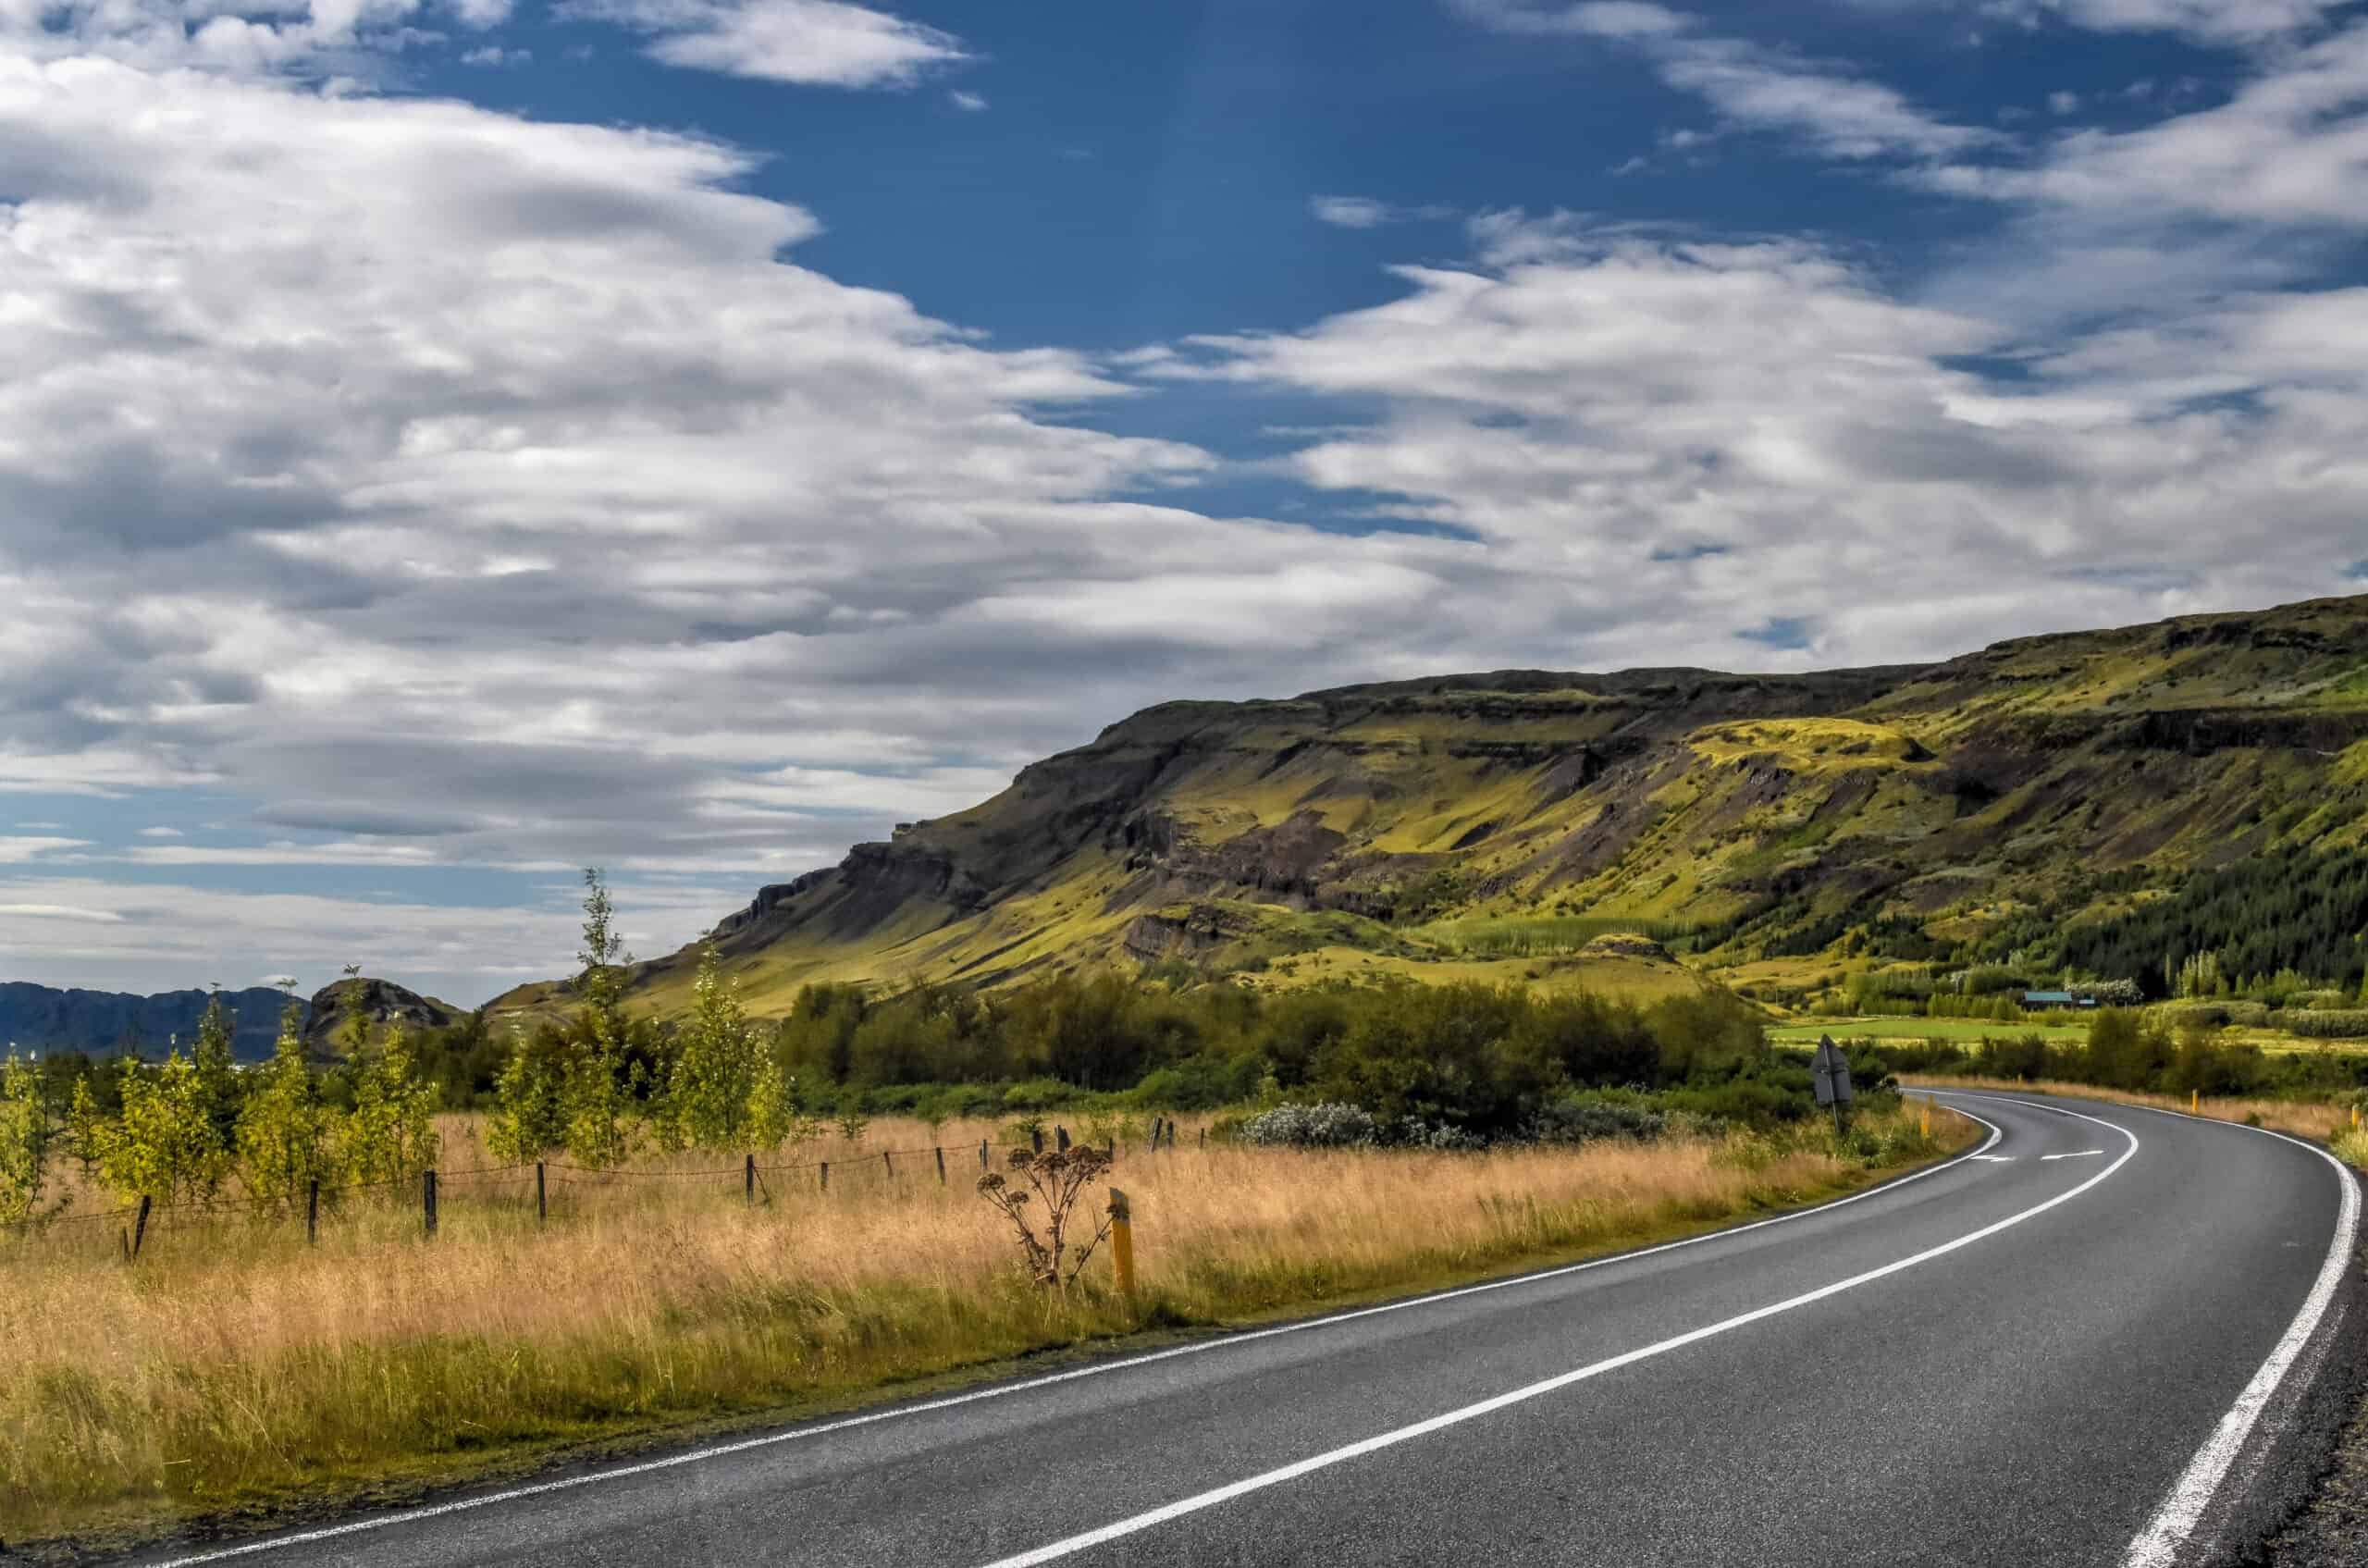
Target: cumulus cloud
1841,114
1690,433
430,488
814,43
252,37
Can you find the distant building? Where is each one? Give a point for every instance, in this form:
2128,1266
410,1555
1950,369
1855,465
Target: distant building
2046,1001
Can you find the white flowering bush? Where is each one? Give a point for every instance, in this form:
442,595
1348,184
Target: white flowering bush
1311,1126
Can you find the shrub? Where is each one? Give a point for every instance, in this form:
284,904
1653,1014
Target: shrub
1578,1120
2352,1025
1328,1126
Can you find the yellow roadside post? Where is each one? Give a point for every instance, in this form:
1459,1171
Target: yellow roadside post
2194,1101
1928,1115
1122,1242
2355,1119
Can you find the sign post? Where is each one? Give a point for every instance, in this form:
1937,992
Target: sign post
1831,1070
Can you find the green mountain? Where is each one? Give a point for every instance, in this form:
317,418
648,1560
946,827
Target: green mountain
1497,825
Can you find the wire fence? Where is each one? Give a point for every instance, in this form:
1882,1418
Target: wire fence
429,1187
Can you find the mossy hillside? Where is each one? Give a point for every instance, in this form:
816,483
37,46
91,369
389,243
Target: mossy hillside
2062,778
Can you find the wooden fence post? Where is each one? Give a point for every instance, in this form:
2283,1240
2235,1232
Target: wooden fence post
1204,1137
826,1176
887,1164
542,1204
1036,1137
1061,1137
940,1166
982,1154
748,1181
313,1211
428,1197
139,1226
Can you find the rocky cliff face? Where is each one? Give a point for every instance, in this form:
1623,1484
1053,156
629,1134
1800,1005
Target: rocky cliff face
1753,806
382,1003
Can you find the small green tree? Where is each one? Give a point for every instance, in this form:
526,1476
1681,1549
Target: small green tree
26,1129
390,1133
529,1117
601,1130
163,1145
710,1090
86,1127
287,1137
775,1116
219,1089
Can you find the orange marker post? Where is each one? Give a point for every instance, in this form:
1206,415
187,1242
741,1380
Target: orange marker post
1122,1242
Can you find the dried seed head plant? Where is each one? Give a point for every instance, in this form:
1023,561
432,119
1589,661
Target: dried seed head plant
1056,1180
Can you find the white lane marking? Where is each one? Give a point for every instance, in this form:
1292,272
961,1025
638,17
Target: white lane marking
1996,1159
999,1390
2157,1546
2076,1155
1071,1545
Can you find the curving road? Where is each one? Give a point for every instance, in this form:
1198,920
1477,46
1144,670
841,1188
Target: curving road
2109,1335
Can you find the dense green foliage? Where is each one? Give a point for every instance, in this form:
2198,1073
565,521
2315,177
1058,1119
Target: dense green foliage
2157,1051
2296,912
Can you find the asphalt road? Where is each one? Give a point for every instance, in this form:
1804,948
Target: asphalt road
2121,1340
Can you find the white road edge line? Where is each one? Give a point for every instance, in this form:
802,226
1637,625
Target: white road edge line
2076,1154
999,1390
1071,1545
2158,1545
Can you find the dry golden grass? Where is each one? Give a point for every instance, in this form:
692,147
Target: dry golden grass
234,1366
2321,1122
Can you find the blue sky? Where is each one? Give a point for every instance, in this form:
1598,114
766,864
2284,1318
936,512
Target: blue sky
447,442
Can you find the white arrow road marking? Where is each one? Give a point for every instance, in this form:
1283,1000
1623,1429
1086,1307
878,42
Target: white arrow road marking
1996,1159
2077,1154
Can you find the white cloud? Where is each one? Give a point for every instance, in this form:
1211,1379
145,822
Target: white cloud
17,850
2215,21
970,101
1672,435
1349,212
321,37
160,832
2290,147
1841,114
812,42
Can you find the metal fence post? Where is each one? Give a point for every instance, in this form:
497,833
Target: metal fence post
428,1197
542,1204
748,1181
139,1226
313,1211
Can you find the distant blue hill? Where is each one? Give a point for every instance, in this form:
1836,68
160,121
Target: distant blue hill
41,1018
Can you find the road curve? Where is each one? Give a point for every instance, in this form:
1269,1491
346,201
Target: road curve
2111,1335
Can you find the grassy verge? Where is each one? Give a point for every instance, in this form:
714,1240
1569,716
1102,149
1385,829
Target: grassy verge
236,1371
